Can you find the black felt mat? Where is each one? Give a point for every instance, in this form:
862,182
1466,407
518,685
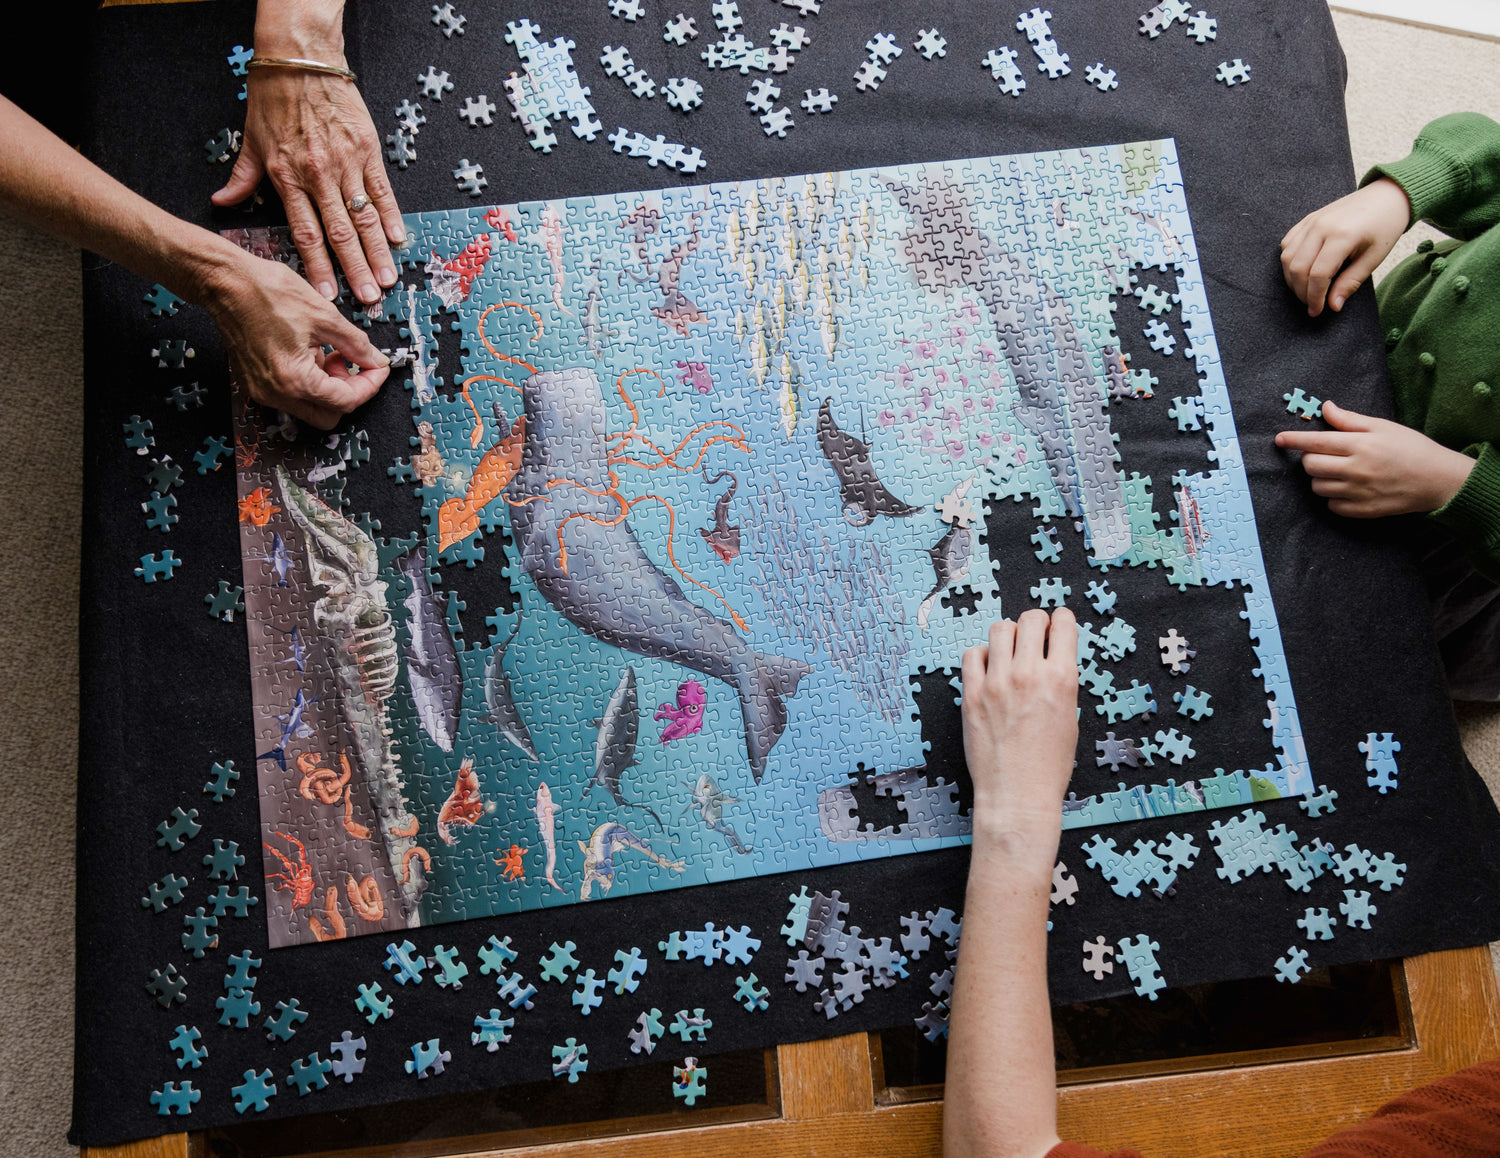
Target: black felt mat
166,689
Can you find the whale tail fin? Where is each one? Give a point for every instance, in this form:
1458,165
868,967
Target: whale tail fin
763,688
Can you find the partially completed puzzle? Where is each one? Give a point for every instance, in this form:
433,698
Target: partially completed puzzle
734,446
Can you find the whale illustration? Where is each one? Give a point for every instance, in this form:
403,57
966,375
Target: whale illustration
606,584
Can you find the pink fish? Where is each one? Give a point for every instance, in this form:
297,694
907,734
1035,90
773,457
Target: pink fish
697,375
546,819
686,715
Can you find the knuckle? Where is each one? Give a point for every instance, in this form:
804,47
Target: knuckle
341,232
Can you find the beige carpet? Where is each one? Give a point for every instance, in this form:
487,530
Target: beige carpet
1400,77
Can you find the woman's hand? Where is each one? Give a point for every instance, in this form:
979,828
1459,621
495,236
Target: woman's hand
275,327
312,135
1020,713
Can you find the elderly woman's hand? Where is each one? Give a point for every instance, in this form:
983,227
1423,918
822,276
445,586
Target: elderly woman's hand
312,135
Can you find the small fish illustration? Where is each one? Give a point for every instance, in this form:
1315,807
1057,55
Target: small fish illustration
299,649
428,464
724,539
614,750
546,821
293,726
599,856
863,494
552,242
645,221
421,370
675,311
686,715
281,560
709,800
499,704
696,375
596,334
464,807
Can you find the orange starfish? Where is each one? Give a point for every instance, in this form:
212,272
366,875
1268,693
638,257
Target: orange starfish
256,508
512,862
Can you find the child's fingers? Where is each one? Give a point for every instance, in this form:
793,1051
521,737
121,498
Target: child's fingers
1335,488
1316,441
1353,277
1341,418
1324,268
1326,465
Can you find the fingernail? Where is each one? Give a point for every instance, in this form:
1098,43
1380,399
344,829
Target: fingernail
328,290
400,240
1338,303
369,293
388,276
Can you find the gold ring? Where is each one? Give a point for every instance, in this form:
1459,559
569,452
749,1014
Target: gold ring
357,202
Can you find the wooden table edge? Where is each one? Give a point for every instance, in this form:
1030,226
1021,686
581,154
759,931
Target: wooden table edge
828,1107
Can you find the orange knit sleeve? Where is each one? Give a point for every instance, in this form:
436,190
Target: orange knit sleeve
1456,1116
1078,1150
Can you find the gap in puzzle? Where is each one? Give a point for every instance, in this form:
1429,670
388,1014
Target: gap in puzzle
745,461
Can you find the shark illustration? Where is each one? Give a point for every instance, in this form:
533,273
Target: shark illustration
431,661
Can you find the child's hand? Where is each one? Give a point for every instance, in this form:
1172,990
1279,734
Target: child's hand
1020,704
1359,229
1368,468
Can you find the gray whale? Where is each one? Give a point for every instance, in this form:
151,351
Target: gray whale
611,588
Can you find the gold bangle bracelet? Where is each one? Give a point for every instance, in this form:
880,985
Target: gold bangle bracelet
302,63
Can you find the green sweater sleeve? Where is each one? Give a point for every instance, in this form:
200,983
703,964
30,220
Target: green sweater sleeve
1452,175
1473,515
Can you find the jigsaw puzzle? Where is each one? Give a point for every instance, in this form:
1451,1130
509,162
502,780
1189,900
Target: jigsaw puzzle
769,555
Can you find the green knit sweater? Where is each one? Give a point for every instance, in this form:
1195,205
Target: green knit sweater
1441,312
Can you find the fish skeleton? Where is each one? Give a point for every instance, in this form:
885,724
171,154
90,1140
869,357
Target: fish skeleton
599,856
614,748
724,539
546,822
422,384
354,621
609,587
431,660
501,706
863,494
